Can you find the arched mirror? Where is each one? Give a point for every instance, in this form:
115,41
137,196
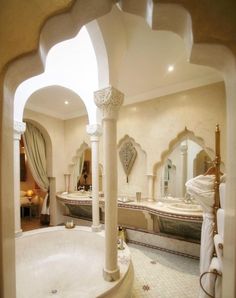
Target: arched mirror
186,161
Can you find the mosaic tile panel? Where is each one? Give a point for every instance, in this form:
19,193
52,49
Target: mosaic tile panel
163,275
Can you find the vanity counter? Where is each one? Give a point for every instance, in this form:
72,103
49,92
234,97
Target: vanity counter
172,209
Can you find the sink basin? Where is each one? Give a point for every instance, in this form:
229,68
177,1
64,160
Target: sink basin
125,199
185,207
78,195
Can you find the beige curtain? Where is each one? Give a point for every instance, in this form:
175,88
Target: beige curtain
35,149
77,171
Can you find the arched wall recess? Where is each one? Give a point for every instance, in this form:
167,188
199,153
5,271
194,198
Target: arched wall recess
75,163
183,135
173,144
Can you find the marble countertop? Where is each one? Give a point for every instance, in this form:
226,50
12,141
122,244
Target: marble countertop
167,207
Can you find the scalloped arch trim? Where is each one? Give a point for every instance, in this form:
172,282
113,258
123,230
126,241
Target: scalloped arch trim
183,135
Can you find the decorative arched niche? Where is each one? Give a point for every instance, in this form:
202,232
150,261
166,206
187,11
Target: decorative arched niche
137,180
75,169
83,154
178,164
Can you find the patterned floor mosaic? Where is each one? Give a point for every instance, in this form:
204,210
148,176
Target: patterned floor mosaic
163,275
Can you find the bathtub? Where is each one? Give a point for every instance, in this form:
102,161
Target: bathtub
59,262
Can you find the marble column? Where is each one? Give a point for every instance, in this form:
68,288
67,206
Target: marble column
19,128
109,100
184,167
95,131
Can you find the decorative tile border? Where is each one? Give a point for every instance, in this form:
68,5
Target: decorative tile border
134,207
163,249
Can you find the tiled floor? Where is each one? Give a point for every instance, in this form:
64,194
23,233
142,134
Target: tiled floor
157,274
163,275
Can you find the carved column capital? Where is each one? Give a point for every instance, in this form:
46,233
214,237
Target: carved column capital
19,129
109,100
94,130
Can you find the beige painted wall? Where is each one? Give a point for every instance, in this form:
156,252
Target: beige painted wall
154,123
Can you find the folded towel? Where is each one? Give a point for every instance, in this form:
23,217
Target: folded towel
220,222
222,195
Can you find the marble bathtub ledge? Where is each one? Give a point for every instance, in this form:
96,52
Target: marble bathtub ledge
25,251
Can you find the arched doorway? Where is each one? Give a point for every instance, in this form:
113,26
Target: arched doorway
231,91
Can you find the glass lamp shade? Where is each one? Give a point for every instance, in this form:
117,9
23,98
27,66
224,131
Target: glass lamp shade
29,193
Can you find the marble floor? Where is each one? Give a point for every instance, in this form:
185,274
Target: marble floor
163,275
158,274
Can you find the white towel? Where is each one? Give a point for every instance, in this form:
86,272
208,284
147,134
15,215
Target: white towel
220,222
201,188
222,195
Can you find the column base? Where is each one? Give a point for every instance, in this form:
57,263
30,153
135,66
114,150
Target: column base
150,200
96,228
109,275
18,233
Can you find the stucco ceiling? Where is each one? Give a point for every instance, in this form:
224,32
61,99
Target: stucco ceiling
138,59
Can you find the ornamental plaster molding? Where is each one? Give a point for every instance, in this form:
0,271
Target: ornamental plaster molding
19,129
128,155
94,130
109,101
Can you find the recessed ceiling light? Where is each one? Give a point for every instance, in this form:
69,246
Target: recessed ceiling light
66,102
170,68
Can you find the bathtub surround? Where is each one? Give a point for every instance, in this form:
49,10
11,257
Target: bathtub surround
95,131
19,128
59,270
109,101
